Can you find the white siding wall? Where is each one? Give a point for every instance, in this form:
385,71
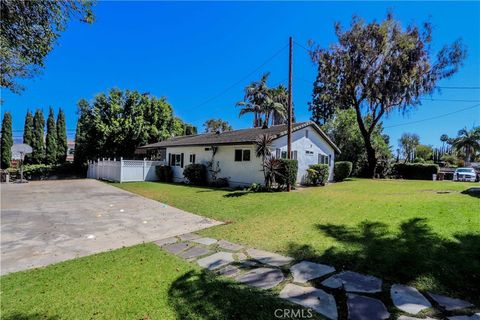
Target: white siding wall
238,173
301,144
245,173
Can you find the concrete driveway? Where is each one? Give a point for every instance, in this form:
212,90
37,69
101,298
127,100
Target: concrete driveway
46,222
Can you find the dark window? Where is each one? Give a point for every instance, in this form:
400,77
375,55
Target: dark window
309,153
192,158
278,153
238,155
176,160
246,155
306,133
284,154
294,155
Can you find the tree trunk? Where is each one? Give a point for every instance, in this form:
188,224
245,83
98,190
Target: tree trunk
371,157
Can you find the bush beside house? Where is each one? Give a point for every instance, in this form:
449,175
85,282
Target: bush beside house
196,174
164,173
287,172
317,174
342,170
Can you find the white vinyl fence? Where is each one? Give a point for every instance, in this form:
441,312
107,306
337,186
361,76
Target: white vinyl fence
123,170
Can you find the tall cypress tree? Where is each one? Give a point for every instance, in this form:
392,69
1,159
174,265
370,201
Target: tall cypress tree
51,140
62,145
7,141
28,133
38,145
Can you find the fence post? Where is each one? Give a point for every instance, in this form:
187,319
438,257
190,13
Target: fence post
144,167
121,169
98,168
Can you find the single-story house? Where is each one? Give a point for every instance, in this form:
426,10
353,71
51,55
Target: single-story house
235,151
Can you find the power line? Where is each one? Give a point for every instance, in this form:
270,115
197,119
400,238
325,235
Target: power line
242,79
433,118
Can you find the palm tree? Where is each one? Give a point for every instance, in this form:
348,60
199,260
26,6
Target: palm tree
280,95
468,141
254,99
263,150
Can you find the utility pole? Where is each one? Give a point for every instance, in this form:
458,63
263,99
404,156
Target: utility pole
290,112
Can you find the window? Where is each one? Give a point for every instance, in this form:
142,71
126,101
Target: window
309,153
323,159
192,158
176,160
293,155
246,155
238,155
242,155
278,153
306,133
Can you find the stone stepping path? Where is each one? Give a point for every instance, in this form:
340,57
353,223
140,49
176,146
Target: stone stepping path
311,297
365,308
450,303
408,299
262,278
265,270
354,282
306,270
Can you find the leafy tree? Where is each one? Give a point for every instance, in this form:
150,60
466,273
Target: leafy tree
28,133
408,143
263,150
7,141
468,142
263,102
342,128
38,145
424,152
62,143
214,125
377,68
51,139
118,122
29,30
280,95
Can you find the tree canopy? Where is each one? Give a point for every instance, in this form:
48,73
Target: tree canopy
468,142
38,145
62,143
118,122
29,30
408,143
217,125
376,68
51,139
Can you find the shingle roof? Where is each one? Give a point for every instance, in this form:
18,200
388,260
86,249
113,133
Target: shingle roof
242,136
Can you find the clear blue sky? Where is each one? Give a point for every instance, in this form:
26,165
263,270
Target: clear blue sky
191,52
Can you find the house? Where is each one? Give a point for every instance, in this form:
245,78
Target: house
234,151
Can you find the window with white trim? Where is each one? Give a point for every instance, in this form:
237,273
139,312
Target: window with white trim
192,158
242,155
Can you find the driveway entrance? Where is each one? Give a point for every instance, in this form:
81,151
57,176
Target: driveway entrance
46,222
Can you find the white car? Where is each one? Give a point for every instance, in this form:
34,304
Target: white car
465,174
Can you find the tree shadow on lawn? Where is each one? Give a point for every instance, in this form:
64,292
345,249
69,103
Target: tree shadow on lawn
204,295
473,192
415,252
32,316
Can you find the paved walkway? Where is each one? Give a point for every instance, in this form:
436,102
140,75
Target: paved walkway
46,222
365,295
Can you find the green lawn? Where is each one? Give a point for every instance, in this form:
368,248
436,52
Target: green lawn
140,282
421,233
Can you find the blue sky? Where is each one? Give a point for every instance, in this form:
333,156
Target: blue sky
193,52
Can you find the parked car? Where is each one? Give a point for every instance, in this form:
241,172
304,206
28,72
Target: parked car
465,174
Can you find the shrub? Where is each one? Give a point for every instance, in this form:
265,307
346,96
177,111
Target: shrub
45,172
342,170
196,174
317,174
287,172
417,171
164,173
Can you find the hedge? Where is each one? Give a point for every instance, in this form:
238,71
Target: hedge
164,173
287,173
196,174
317,174
342,170
45,172
417,171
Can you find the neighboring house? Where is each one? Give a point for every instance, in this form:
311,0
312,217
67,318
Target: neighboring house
235,151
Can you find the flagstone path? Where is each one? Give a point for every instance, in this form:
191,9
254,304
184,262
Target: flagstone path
362,293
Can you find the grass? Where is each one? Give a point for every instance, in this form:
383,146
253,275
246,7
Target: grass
421,233
140,282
